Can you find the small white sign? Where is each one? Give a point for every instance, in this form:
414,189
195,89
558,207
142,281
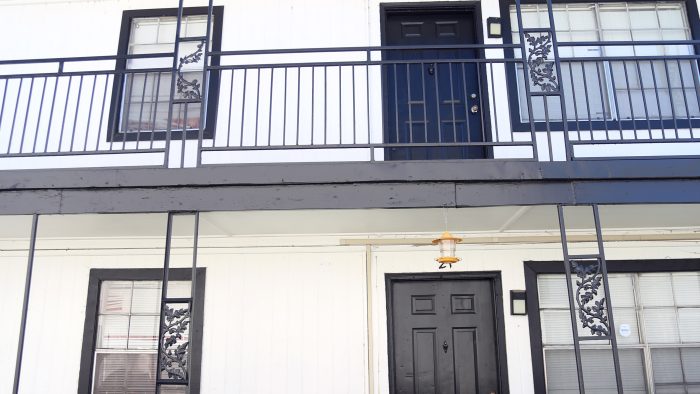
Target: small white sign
625,330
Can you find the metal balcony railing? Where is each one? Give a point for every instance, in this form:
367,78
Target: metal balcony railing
352,104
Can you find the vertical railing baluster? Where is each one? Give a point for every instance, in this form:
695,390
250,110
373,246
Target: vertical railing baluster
26,115
245,81
585,96
77,112
467,112
89,118
573,97
452,104
154,120
670,98
369,127
354,114
408,103
143,98
685,98
437,102
38,118
629,99
658,99
603,101
269,110
396,103
257,105
102,112
313,102
230,108
296,142
4,95
14,116
481,105
65,112
284,109
425,103
615,100
492,95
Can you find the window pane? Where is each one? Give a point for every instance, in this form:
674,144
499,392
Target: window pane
686,288
146,297
143,332
124,373
552,291
598,371
667,367
556,327
657,289
115,297
626,322
112,331
689,324
661,325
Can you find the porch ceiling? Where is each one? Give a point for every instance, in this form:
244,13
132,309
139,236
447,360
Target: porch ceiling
494,220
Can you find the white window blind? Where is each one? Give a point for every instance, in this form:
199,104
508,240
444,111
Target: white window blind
127,335
617,90
146,95
659,351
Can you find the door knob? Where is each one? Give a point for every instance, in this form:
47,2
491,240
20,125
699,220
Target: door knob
474,109
431,68
445,346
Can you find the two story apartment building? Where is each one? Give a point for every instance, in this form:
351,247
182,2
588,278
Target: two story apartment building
365,196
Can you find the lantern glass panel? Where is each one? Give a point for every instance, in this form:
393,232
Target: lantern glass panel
447,247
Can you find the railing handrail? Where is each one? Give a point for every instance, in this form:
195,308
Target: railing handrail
626,43
86,58
283,51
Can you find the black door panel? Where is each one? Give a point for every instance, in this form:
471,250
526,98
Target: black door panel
443,334
432,95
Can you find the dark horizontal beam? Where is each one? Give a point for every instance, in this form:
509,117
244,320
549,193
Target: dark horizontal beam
347,196
465,171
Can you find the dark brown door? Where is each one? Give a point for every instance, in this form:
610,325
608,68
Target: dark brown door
432,94
443,337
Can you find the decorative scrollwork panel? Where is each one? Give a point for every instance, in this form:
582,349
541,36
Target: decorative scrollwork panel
590,296
174,348
189,89
541,66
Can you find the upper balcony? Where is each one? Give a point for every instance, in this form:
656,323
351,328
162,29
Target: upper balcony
589,80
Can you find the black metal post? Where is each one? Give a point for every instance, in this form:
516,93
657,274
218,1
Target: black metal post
595,307
572,308
25,304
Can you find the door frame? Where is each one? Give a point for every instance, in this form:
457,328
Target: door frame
497,296
427,6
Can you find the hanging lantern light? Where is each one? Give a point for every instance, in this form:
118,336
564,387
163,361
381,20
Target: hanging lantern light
448,247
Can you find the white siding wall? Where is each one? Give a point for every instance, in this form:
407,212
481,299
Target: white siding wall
277,320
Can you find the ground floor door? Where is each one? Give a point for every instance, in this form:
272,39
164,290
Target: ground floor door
442,336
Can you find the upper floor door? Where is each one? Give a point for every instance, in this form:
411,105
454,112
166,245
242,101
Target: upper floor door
432,95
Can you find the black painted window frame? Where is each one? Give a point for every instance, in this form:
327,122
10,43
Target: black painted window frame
97,276
517,125
210,102
534,268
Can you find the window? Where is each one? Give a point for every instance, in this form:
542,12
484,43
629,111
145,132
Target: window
656,316
141,100
123,313
600,90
